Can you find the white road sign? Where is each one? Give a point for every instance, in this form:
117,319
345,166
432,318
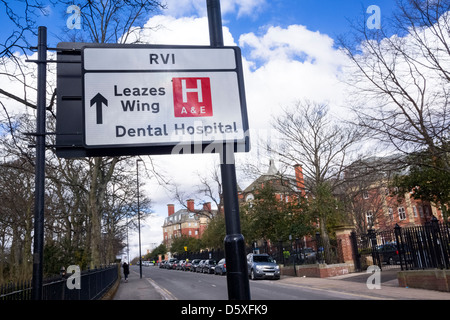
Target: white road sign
162,96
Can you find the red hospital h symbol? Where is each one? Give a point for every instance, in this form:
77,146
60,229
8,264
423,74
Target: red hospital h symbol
192,97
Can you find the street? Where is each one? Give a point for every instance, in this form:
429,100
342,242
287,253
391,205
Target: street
183,285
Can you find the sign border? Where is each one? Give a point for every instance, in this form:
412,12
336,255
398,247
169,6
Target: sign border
241,145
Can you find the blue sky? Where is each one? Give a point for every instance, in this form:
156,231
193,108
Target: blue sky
326,16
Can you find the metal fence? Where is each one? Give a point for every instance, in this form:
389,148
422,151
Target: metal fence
93,285
409,248
308,250
424,247
215,254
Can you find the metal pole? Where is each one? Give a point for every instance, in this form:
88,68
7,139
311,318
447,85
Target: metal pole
38,246
237,274
139,218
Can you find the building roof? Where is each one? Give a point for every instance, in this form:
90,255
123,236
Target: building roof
184,215
271,175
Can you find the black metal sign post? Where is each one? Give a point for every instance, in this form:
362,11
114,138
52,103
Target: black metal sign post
237,274
38,248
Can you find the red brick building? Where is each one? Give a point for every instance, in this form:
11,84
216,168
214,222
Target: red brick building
381,209
286,187
188,221
377,204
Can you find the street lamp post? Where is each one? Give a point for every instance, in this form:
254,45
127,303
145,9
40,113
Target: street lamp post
139,217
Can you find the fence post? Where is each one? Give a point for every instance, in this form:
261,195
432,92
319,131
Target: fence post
373,244
356,254
437,242
398,239
318,245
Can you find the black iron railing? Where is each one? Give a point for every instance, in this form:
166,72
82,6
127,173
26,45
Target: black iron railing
410,248
93,284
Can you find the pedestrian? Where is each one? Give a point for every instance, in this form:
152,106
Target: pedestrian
126,271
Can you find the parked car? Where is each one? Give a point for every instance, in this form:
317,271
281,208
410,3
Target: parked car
209,265
262,266
199,267
221,267
170,262
389,254
194,265
162,264
308,255
180,264
187,265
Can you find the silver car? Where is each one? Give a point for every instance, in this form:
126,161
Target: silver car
262,266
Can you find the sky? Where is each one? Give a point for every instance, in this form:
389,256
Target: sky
289,53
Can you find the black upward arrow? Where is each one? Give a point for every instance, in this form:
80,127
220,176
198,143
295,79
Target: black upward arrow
98,100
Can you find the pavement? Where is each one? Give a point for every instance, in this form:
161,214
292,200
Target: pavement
136,288
355,283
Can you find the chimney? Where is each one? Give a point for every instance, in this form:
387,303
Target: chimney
190,205
170,209
299,179
207,206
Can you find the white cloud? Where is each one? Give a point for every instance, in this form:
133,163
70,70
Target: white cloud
151,236
281,66
287,65
177,31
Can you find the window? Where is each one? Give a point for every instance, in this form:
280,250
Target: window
401,213
365,194
421,212
196,232
415,211
427,211
249,197
190,232
391,214
369,216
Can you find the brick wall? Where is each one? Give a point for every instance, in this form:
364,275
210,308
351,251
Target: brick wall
318,270
425,279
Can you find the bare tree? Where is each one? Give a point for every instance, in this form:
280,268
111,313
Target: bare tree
322,147
400,78
211,187
108,21
81,186
22,25
311,138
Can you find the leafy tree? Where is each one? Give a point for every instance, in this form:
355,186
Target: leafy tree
273,219
159,250
428,181
192,244
215,232
324,207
